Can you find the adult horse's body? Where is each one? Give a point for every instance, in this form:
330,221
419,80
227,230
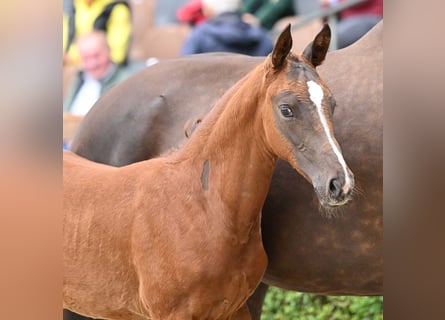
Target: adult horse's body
178,237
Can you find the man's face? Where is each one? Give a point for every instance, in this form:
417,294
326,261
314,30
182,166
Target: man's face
95,57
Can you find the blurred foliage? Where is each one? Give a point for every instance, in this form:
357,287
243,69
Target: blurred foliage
290,305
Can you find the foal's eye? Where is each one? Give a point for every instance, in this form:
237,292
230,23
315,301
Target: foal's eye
286,111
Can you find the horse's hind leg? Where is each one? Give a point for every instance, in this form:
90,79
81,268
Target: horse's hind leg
242,314
69,315
255,302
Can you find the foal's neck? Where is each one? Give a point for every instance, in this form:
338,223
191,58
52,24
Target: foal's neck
230,146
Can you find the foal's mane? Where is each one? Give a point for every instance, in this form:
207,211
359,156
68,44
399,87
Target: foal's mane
238,100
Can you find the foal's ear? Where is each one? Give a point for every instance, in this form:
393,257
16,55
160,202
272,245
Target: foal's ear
316,51
282,48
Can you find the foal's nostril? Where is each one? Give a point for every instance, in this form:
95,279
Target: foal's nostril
335,188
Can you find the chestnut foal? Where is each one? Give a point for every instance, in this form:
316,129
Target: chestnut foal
178,237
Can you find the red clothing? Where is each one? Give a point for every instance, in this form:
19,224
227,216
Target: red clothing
368,7
191,13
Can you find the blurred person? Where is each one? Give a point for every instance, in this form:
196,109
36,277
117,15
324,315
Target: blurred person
266,13
191,13
83,16
355,21
225,31
98,73
67,6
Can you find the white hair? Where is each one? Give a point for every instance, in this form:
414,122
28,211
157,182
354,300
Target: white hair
220,6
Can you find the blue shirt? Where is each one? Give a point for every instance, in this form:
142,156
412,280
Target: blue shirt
227,32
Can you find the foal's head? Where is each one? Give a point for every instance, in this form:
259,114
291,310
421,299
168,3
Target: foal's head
299,106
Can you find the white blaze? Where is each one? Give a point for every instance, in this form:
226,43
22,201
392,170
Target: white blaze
316,95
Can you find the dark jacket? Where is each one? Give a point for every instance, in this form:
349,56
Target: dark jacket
228,33
268,12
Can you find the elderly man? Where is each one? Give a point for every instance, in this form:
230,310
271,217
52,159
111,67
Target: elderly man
98,73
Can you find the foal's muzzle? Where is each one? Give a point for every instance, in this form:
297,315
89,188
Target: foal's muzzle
339,189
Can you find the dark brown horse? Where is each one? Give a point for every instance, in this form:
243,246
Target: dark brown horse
178,236
145,115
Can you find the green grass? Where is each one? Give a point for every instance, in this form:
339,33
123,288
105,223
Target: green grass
290,305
